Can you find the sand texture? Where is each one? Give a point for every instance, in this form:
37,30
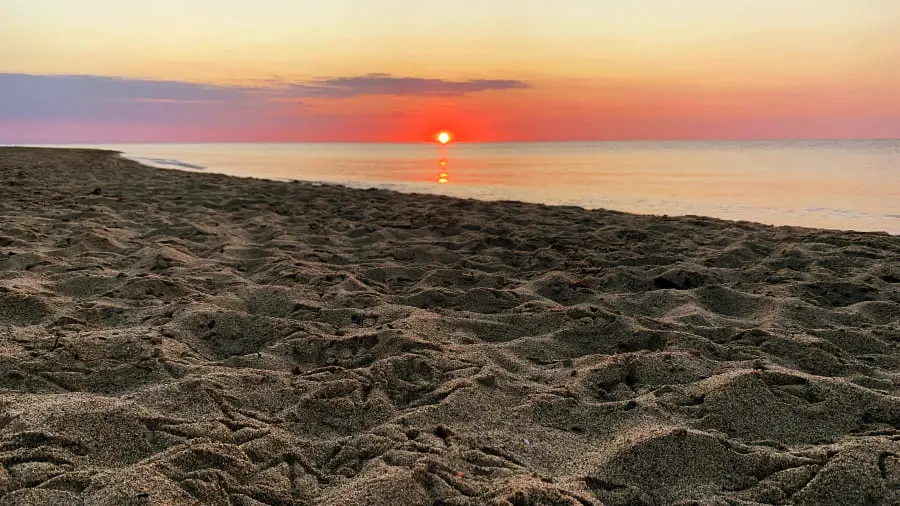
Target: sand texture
186,338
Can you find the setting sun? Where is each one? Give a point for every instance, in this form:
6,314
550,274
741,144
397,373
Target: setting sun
443,137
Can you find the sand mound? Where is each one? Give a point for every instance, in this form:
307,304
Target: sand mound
185,338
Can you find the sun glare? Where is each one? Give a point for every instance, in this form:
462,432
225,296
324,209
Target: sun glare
443,137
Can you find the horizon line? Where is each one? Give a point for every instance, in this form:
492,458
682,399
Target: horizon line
545,141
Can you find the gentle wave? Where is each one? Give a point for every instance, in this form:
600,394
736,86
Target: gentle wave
166,163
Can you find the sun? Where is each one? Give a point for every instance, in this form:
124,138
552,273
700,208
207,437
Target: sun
443,137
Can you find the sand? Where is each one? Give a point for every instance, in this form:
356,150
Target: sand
188,338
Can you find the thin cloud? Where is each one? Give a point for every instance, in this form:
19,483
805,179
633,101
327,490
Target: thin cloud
29,97
103,98
386,84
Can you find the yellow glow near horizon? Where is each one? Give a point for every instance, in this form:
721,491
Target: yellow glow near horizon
738,42
443,137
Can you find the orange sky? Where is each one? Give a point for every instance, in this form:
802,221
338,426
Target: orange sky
352,70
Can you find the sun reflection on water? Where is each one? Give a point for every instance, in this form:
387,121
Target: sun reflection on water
443,175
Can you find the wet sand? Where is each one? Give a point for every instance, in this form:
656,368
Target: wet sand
181,338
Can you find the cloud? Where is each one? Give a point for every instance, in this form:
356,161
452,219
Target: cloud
31,97
386,84
102,98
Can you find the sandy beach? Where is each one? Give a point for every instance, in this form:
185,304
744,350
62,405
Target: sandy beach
176,338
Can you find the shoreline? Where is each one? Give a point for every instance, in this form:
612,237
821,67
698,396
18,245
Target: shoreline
178,336
814,206
200,169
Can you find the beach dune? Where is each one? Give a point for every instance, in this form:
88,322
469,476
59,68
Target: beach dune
173,338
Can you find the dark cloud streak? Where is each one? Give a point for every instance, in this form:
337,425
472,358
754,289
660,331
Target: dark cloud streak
385,84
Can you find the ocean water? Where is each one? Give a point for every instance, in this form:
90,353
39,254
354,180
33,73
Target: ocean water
831,184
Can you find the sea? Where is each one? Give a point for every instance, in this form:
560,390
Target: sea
849,185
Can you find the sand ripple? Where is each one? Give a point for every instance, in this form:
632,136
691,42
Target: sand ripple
174,338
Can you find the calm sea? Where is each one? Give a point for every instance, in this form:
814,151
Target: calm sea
832,184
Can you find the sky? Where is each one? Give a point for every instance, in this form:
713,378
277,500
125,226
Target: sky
103,71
